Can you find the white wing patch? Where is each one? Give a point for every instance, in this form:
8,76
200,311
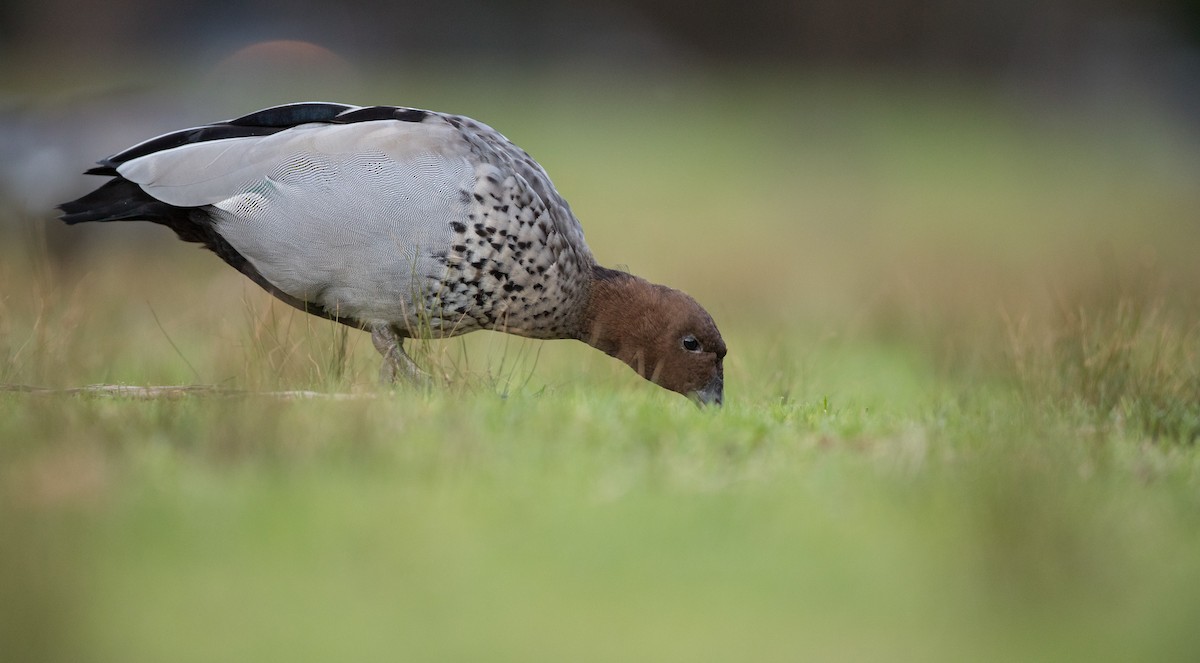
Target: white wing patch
351,217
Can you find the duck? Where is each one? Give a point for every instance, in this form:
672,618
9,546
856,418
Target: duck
404,223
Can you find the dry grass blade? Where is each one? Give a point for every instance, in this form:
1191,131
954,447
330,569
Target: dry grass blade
170,392
1120,352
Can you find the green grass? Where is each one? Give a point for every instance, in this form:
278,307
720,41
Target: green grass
960,422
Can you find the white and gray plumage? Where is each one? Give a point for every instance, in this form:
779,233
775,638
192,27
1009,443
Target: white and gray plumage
406,223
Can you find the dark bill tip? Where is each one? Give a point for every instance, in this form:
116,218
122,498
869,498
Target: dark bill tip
711,394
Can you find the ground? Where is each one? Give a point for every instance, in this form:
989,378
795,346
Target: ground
961,414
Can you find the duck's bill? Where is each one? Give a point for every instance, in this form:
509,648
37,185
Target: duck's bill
711,394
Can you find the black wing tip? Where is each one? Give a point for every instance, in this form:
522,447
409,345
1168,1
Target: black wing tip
260,123
72,214
74,211
183,137
290,115
371,113
106,167
116,200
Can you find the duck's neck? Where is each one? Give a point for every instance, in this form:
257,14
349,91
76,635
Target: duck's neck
615,319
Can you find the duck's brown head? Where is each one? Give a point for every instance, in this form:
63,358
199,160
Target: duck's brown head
661,333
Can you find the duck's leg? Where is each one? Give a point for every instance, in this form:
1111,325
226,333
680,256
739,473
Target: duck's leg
396,363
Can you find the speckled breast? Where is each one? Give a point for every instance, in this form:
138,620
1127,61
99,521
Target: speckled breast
507,266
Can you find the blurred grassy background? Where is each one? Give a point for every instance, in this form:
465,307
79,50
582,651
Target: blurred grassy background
962,388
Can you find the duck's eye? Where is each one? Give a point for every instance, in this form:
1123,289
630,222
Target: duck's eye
690,343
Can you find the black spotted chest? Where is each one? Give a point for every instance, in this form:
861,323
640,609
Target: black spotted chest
507,267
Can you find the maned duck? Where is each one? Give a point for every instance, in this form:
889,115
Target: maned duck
405,223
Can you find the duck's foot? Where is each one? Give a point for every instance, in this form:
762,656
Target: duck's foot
397,365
